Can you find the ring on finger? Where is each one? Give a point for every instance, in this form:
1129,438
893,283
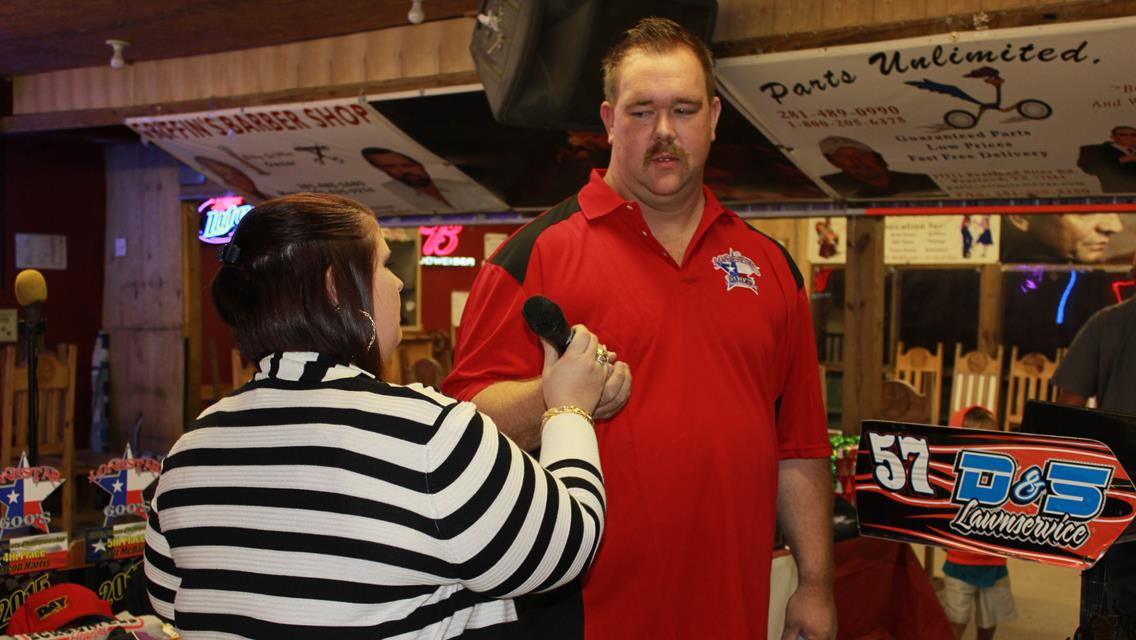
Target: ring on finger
601,354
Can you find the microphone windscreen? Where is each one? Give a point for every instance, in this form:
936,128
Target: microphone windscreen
547,321
30,287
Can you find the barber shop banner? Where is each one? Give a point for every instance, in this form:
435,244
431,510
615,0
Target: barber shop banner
1011,113
343,147
1060,501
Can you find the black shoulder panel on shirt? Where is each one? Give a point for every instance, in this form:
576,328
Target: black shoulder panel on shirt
514,254
788,258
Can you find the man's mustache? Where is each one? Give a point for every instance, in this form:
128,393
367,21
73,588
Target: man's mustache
664,148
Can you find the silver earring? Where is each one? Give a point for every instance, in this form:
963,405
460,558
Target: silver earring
374,329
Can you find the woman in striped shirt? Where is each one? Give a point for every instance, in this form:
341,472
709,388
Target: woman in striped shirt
318,501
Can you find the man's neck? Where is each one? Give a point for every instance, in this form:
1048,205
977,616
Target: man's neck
671,219
432,191
879,182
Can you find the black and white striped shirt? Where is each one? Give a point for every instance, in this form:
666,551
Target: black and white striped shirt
319,502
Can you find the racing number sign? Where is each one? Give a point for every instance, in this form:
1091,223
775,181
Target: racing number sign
1056,500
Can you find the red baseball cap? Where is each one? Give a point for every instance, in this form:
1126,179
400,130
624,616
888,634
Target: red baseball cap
56,606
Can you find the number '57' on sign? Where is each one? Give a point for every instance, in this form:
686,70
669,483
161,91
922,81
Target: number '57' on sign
890,457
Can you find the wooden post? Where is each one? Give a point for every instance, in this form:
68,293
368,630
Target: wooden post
142,297
191,278
863,321
896,306
990,305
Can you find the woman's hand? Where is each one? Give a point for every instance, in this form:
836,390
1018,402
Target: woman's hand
577,377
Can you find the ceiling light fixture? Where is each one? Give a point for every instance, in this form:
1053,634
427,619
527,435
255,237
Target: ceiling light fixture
416,15
116,60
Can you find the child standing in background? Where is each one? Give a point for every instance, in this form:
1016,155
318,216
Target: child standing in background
976,578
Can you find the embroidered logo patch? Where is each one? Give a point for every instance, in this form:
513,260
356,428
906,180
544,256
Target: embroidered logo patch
57,605
740,270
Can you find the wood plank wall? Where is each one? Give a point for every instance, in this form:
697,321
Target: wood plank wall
142,296
423,51
748,19
438,51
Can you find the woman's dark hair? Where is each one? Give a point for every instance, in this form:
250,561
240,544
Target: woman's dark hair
273,293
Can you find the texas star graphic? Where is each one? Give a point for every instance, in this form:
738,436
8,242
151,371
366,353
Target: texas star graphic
23,500
740,270
125,486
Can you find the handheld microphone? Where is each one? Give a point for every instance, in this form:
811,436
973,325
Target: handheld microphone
31,290
547,321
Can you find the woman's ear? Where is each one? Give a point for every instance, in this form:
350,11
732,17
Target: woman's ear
329,285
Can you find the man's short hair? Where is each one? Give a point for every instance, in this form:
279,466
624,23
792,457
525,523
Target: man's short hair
274,293
1119,128
374,151
658,36
831,144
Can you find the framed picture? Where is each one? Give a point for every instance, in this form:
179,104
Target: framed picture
406,246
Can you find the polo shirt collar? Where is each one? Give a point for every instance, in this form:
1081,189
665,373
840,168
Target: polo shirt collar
597,199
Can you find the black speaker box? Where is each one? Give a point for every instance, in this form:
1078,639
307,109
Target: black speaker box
539,60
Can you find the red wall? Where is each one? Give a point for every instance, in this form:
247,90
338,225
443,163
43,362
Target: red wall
437,283
59,188
211,326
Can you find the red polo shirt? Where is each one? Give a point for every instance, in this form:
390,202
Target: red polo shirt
725,384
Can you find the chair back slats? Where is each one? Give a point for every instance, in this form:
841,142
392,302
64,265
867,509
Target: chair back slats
1030,379
922,370
55,415
977,380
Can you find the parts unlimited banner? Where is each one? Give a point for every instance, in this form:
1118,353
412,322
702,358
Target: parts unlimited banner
343,147
1013,113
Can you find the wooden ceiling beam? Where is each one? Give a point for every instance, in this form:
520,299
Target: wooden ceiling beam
87,118
1036,15
436,54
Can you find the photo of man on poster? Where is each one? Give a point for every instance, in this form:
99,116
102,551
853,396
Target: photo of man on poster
864,174
1112,162
1078,238
231,177
411,183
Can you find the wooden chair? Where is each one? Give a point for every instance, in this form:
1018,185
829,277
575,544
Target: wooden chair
55,374
977,380
428,372
923,370
1029,380
241,372
901,402
400,368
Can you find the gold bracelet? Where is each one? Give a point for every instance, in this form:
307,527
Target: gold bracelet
566,408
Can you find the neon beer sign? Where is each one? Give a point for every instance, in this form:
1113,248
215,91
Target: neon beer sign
221,218
441,240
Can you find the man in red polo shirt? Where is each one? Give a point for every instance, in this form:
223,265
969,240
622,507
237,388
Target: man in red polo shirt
724,432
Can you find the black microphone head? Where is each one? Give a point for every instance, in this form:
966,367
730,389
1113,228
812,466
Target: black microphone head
547,321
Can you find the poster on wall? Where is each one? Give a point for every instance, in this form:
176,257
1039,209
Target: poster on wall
536,168
963,239
1069,238
343,147
1012,113
829,240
